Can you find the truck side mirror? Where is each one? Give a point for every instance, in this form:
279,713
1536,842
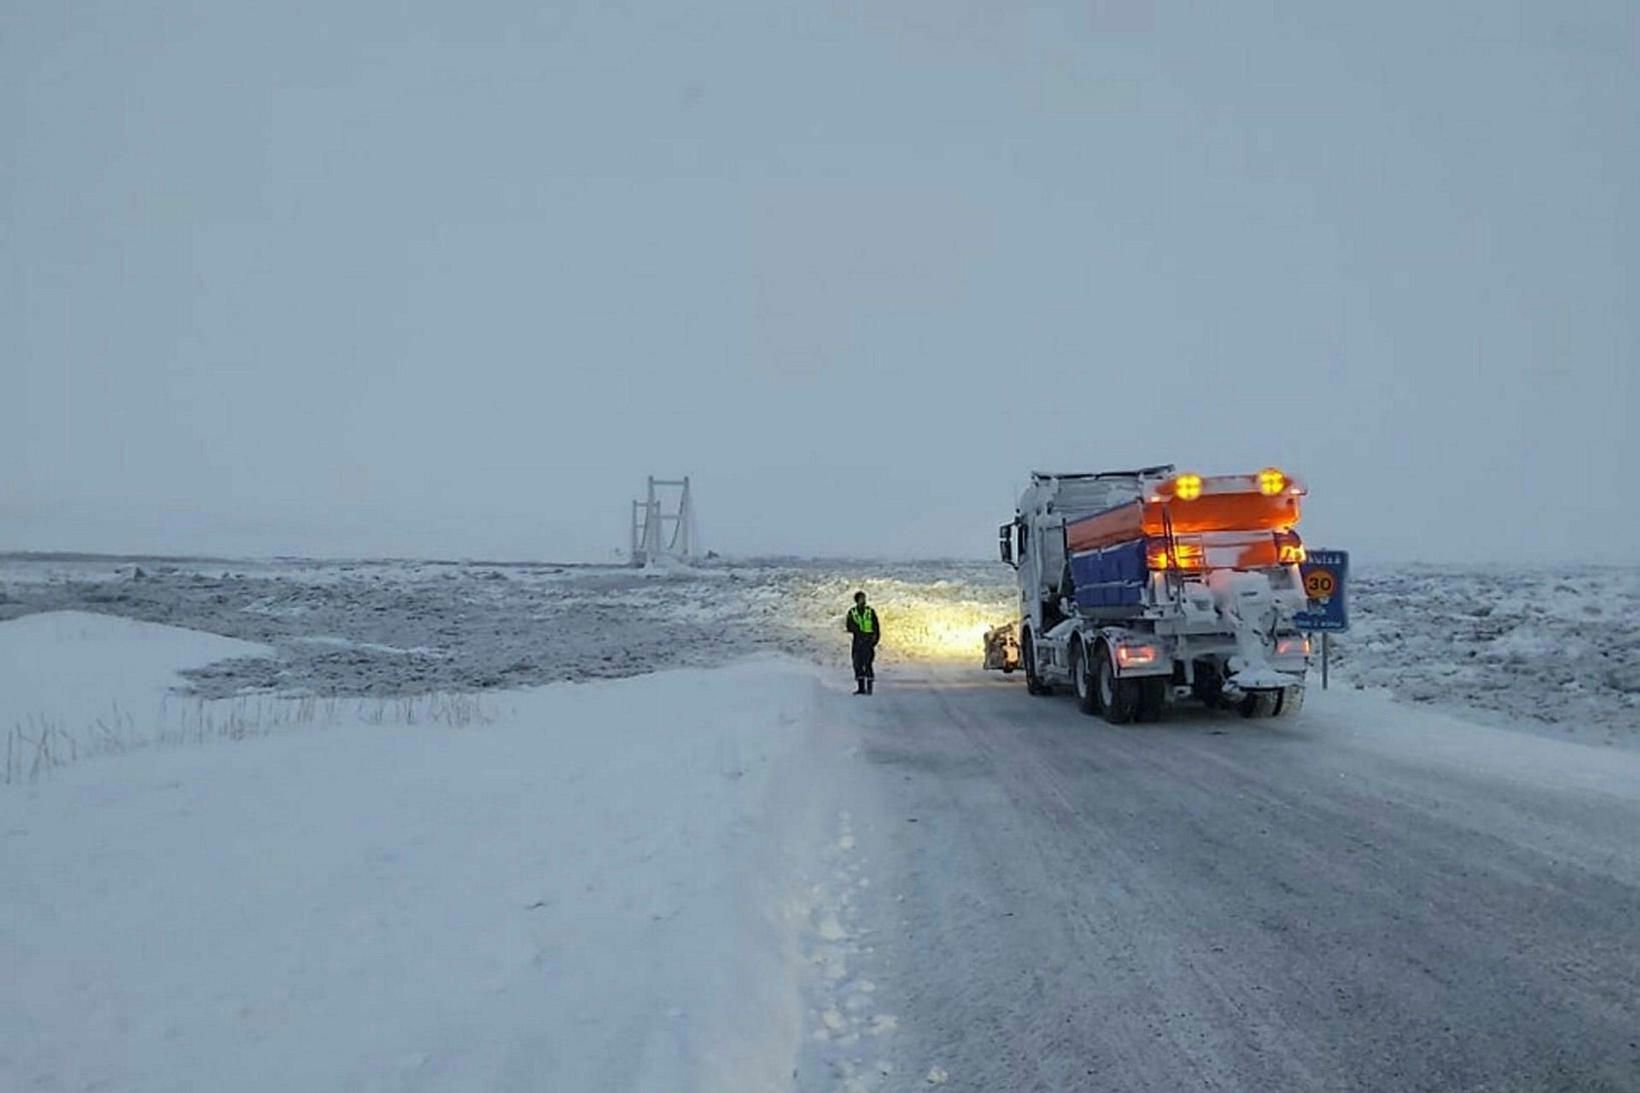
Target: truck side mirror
1005,543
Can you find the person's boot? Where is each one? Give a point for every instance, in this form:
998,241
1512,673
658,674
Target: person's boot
860,686
870,683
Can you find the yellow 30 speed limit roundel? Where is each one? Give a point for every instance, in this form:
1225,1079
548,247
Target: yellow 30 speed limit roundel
1320,584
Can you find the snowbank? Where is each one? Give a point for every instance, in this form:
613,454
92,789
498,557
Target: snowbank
72,668
582,895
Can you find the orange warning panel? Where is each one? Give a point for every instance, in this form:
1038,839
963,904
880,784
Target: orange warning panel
1118,525
1208,512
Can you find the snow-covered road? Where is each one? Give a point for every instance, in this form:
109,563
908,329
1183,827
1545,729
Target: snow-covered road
1372,897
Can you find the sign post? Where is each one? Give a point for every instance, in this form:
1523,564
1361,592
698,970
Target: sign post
1326,576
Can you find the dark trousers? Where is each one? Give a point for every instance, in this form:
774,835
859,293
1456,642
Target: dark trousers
865,652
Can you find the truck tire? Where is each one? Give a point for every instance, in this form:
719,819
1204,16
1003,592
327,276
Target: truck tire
1260,704
1152,699
1087,694
1290,702
1034,683
1119,697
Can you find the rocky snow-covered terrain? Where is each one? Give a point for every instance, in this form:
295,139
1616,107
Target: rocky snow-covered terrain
1556,650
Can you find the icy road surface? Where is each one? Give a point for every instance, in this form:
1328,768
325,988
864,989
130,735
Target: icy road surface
1372,897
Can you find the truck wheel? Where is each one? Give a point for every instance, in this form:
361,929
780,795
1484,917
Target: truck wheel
1119,697
1087,696
1289,702
1260,704
1027,656
1152,699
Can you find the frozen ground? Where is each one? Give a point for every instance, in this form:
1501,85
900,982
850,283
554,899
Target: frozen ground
394,628
581,889
746,879
1553,650
75,683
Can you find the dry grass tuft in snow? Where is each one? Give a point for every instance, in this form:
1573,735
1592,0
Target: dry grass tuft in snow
37,744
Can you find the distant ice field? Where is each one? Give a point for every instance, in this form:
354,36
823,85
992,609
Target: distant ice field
1557,650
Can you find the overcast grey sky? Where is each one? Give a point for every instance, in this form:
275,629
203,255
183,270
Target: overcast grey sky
450,279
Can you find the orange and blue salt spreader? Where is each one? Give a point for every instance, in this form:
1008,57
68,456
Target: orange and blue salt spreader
1143,588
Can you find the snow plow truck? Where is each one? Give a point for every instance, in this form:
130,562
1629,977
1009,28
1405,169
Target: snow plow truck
1140,589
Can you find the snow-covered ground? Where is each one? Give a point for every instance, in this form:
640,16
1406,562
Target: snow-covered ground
584,888
1552,650
291,825
74,683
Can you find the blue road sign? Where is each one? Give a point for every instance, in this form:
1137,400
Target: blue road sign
1326,576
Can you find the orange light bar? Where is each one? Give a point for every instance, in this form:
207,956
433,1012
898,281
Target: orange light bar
1224,504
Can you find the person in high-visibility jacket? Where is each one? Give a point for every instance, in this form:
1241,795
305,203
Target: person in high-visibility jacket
862,622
